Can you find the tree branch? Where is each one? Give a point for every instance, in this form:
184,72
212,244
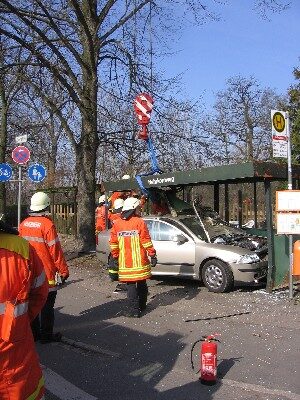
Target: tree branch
122,21
47,41
60,35
52,68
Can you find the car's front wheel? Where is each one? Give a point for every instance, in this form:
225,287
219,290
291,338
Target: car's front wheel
217,276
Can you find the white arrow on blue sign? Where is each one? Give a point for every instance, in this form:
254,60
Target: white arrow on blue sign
5,172
36,172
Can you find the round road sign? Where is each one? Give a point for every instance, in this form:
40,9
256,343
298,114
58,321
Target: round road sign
20,155
5,172
37,172
278,122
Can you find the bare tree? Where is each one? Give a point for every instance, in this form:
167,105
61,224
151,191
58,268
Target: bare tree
241,121
87,45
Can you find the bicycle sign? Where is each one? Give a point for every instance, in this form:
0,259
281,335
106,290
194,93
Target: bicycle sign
5,172
20,155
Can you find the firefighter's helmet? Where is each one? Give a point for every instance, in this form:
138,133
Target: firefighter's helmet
39,201
118,203
101,199
131,203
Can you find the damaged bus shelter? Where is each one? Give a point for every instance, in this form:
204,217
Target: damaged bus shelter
227,177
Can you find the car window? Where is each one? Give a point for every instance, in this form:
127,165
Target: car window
161,231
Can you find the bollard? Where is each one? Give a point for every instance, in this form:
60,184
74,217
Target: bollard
296,258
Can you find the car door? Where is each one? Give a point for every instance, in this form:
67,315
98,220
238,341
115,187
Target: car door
174,258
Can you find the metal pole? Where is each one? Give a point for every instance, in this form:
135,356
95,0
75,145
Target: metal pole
19,195
290,187
270,235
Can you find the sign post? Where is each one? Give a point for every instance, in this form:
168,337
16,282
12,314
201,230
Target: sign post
282,148
21,156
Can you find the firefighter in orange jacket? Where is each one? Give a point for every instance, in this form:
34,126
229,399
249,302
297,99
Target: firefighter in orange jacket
100,215
116,210
23,292
40,231
131,245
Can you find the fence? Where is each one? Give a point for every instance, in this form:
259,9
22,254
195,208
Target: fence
65,218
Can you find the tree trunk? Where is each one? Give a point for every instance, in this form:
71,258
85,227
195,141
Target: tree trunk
85,168
3,141
86,150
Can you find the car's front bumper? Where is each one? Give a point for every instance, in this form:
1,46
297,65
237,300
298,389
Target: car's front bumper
250,273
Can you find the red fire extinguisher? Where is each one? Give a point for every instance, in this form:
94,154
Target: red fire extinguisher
208,358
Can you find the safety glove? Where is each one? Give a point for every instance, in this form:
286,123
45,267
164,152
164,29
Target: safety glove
113,268
153,261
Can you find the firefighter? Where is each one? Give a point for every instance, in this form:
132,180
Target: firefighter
38,228
100,215
113,273
131,245
116,210
23,292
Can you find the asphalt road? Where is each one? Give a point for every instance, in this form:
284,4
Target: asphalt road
105,355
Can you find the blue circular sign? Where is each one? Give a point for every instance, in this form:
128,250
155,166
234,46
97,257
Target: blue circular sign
5,172
36,172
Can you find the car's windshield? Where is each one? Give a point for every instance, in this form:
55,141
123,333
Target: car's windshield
214,225
193,224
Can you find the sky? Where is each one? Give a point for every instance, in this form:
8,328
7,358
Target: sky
242,43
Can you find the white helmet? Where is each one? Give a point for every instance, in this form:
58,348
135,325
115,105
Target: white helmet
126,177
118,203
131,203
102,199
39,201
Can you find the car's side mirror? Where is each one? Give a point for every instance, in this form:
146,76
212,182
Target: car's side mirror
179,239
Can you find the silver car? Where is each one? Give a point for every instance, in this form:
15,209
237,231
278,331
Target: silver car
205,249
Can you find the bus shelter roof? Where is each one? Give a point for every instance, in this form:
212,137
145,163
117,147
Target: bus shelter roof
248,172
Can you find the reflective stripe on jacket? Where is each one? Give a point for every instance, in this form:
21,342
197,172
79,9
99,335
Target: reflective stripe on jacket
130,242
41,233
23,292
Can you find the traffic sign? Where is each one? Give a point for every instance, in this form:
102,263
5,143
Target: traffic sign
5,172
21,139
279,123
280,134
20,155
36,172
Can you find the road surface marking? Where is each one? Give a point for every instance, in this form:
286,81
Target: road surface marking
63,389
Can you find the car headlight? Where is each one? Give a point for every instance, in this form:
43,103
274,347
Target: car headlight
248,259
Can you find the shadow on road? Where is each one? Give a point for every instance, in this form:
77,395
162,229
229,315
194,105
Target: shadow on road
144,365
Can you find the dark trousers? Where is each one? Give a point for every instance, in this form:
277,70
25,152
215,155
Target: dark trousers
43,325
137,293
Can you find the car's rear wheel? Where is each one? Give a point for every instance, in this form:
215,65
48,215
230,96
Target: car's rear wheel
217,276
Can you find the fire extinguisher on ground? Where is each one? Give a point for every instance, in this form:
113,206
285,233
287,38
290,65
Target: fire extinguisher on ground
208,358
